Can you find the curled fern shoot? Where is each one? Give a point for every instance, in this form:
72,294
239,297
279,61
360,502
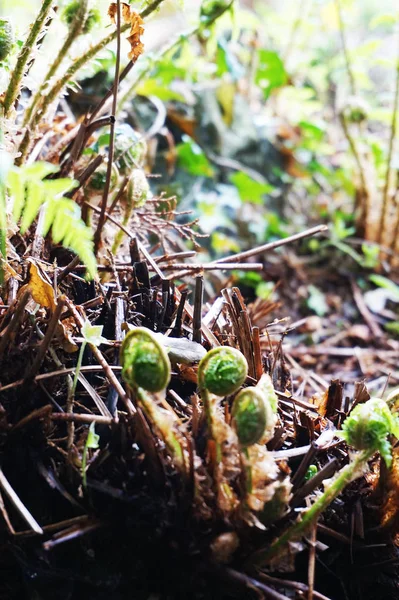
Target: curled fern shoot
146,368
222,371
253,413
366,429
144,360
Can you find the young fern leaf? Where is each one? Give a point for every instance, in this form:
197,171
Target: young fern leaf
30,191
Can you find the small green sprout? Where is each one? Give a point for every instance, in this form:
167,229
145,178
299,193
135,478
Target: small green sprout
92,441
250,415
92,335
366,429
311,472
254,413
144,360
222,371
146,368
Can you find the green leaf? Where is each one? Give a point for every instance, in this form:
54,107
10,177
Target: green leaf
249,189
387,21
271,73
227,62
265,289
317,301
35,197
192,159
152,88
92,440
93,334
371,256
387,284
29,191
392,327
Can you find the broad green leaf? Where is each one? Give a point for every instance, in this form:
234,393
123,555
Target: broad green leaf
270,73
152,88
16,186
249,189
387,21
38,171
192,159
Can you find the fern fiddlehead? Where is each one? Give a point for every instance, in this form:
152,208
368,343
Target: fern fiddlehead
366,429
146,369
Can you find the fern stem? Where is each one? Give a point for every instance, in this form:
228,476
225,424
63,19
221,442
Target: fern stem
101,220
55,90
74,32
345,48
385,195
78,367
14,87
309,517
365,199
121,234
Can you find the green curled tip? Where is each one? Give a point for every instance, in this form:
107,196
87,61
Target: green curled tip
368,426
250,416
222,371
144,361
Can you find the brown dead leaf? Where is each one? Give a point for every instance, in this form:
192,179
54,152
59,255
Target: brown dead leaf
8,270
136,28
40,287
64,332
113,8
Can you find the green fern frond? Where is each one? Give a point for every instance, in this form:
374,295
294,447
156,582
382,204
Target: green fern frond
30,191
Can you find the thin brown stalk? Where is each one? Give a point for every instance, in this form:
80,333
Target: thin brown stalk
345,48
79,418
101,220
15,320
105,366
18,504
59,373
360,167
132,236
385,194
197,310
261,249
45,343
293,585
312,561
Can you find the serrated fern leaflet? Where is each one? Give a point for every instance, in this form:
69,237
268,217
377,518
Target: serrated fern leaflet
29,191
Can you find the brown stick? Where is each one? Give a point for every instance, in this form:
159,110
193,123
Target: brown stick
45,343
262,249
16,318
101,220
20,506
103,363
